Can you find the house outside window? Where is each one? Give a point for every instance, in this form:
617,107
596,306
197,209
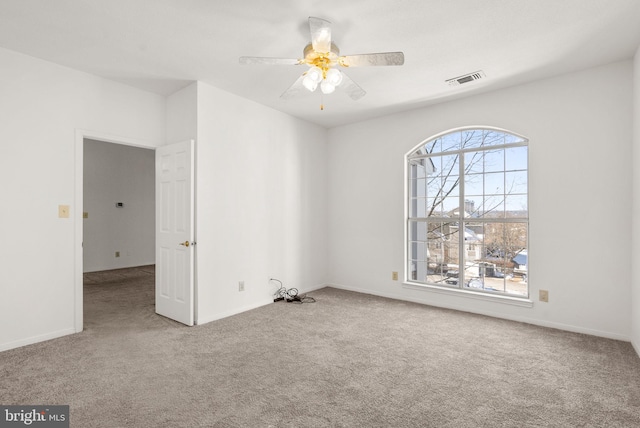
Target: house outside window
467,212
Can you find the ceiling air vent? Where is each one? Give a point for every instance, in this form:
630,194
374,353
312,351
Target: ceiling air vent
466,78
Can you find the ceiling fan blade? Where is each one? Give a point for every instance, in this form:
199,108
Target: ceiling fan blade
320,34
351,88
244,60
294,89
363,60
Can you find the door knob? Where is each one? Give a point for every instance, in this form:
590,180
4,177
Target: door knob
185,243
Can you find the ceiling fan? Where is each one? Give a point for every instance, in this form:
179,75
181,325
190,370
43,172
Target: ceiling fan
322,56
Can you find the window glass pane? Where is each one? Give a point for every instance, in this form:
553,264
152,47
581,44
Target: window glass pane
434,207
412,167
519,258
443,257
474,162
516,206
442,191
420,187
450,142
430,167
516,158
473,206
417,207
494,183
437,239
472,138
473,242
505,240
417,270
417,230
451,185
506,249
516,236
434,146
418,251
494,206
413,207
417,168
413,250
493,138
450,205
494,160
450,165
412,187
509,138
494,245
491,275
451,254
434,186
474,185
516,182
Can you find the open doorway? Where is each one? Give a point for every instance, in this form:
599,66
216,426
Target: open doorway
118,229
174,182
118,206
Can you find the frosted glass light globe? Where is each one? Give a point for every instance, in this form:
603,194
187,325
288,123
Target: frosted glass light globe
334,77
327,87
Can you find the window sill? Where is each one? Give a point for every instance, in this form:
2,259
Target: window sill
507,300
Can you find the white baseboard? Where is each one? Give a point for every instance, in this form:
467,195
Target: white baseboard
533,321
218,316
35,339
312,288
209,318
125,266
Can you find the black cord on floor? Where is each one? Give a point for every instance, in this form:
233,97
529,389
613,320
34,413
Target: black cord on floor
290,295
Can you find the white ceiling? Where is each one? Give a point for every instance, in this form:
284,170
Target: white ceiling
163,45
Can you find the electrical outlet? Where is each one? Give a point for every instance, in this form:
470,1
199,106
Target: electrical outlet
63,211
544,296
394,276
241,286
117,253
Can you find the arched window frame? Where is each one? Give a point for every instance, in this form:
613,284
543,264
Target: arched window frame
483,258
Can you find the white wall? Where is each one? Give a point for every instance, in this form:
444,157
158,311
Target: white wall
182,115
118,173
579,126
635,259
41,106
261,203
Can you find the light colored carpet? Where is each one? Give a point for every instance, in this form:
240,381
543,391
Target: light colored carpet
348,360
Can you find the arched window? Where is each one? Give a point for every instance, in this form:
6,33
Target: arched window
467,212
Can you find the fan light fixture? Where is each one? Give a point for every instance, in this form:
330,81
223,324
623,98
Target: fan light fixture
323,56
321,71
312,78
328,78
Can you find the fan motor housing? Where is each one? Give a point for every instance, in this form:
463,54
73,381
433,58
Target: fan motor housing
312,57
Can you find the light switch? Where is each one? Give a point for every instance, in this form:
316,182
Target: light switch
63,211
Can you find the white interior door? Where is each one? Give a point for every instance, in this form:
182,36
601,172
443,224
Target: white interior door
175,231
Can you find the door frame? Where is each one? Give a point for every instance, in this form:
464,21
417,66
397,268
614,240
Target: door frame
78,208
